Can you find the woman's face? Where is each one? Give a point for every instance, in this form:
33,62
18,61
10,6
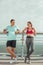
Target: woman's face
29,25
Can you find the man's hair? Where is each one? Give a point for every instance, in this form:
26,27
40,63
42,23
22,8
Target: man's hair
12,20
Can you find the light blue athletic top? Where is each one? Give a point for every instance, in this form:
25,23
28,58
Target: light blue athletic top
11,32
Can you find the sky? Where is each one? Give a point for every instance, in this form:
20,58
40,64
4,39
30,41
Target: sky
22,11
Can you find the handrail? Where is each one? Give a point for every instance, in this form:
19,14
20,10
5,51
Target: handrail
24,33
22,39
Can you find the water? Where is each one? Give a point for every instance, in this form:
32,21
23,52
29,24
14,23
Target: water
38,45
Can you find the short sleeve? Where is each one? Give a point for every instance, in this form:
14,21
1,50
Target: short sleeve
7,28
17,28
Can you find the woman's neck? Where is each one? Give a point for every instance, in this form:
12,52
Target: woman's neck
30,28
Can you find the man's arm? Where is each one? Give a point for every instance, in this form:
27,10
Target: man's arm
5,31
17,30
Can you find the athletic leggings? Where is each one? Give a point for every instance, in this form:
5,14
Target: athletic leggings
29,45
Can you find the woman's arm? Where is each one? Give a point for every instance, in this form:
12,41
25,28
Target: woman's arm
34,31
24,30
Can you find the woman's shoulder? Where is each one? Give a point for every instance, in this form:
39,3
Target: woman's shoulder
27,28
33,28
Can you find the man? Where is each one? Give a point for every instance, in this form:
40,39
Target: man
11,32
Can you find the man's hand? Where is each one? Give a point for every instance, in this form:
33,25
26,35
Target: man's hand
17,32
4,31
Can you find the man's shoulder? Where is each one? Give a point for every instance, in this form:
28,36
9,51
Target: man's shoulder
8,26
15,26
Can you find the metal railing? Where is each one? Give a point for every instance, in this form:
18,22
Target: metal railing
20,45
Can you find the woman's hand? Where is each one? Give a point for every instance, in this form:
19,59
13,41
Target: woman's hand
23,31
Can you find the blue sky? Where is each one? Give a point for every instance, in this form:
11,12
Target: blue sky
22,11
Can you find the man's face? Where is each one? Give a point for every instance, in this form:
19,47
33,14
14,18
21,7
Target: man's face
13,23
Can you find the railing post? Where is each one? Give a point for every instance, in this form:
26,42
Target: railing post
22,44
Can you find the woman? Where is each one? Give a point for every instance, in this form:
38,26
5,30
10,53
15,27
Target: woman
30,31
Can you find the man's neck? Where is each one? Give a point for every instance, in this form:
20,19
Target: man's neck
12,25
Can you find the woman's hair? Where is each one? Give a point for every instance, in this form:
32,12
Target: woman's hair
12,20
29,23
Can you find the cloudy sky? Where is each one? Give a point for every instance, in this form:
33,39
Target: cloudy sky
22,11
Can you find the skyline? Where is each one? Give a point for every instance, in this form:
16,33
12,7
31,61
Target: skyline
22,11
